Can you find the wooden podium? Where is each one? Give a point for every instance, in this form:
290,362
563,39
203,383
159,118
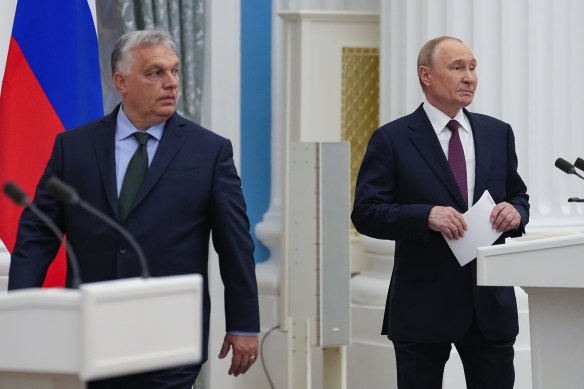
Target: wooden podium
60,338
551,271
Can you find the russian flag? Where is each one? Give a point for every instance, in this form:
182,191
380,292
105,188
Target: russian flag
51,84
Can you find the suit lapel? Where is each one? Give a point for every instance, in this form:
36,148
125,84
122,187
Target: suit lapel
173,137
104,141
483,153
426,142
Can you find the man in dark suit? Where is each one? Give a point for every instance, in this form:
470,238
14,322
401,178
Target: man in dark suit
416,180
188,190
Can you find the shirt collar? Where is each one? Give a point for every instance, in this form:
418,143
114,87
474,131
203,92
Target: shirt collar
439,119
125,128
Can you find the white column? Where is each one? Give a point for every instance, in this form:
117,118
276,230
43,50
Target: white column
221,95
371,285
269,230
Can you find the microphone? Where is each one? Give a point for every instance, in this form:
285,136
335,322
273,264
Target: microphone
567,167
68,195
579,163
17,195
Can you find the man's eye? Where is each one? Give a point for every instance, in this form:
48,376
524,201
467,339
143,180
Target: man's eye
153,75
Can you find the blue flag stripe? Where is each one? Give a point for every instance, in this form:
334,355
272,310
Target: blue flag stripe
59,41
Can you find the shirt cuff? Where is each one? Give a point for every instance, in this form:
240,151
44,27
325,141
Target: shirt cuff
242,333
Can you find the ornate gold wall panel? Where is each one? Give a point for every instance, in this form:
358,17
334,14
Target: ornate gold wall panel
360,102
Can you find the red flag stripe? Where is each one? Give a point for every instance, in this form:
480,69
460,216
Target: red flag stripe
29,124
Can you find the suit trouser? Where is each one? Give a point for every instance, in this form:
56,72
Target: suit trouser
173,378
488,364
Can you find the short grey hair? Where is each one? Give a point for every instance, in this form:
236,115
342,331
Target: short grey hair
121,61
427,55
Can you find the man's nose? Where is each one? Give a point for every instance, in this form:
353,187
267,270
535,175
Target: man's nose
468,76
171,80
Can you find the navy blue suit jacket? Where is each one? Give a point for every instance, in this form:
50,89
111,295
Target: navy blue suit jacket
191,191
403,175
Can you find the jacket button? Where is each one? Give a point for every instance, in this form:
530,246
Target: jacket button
123,251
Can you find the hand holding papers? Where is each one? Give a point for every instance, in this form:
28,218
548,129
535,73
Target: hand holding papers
479,233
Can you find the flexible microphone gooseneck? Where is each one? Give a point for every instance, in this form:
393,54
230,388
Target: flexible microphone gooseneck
17,195
69,195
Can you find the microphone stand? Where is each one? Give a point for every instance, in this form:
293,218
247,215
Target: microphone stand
20,198
69,195
139,252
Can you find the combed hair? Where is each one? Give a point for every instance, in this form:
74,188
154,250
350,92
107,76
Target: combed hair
427,55
121,61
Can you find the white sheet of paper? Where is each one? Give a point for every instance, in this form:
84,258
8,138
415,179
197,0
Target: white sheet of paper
480,230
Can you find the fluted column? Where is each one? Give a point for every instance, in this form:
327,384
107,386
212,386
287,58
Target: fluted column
269,230
370,286
528,55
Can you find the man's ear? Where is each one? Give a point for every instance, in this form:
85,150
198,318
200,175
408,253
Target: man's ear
119,82
425,75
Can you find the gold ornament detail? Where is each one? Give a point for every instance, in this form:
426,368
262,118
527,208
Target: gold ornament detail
360,102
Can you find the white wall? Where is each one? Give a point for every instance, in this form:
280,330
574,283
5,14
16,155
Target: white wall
7,9
221,114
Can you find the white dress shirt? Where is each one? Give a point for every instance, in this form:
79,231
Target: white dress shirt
439,120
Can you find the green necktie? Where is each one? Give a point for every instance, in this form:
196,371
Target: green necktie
134,177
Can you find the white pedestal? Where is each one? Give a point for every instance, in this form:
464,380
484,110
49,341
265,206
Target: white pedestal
4,267
14,380
557,344
103,330
550,271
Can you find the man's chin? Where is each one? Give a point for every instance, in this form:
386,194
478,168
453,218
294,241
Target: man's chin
166,111
466,102
466,98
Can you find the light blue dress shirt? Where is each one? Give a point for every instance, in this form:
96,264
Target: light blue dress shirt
126,144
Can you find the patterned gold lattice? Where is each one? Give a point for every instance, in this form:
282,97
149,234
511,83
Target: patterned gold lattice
360,102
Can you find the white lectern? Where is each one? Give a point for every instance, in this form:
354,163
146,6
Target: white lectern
551,271
61,337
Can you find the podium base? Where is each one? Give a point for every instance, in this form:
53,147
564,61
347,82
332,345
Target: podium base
557,346
14,380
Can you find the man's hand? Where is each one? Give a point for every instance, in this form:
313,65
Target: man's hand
245,352
448,221
505,217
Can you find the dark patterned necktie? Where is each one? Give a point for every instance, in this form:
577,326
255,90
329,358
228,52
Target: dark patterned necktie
134,177
456,158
